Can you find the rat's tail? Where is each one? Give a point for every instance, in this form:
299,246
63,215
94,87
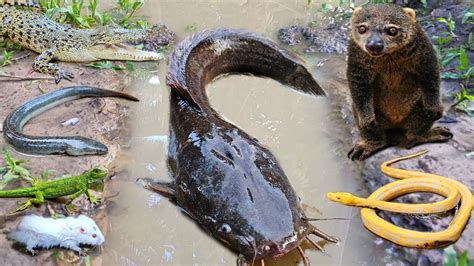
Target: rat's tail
200,58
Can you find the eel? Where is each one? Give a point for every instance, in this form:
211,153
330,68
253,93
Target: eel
223,178
14,122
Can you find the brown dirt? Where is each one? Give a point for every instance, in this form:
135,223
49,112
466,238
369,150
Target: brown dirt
101,119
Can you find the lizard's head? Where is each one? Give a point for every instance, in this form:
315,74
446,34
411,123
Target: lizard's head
95,177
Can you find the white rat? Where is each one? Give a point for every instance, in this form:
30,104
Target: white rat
36,231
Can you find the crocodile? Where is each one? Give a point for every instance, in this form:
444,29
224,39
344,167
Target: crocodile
36,32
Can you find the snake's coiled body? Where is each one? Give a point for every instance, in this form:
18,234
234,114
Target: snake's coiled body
412,181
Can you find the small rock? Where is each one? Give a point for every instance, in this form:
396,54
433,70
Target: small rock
154,80
70,122
470,155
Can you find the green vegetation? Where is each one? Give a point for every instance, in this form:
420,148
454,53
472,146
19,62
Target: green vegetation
12,170
84,15
454,60
451,259
8,50
191,28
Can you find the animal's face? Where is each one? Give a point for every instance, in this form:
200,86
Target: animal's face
381,29
95,177
87,231
259,237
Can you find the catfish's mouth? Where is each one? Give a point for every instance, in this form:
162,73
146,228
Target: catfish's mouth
288,246
265,251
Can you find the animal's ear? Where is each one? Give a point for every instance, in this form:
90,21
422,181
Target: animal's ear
410,13
356,11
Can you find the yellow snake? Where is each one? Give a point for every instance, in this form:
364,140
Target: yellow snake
412,181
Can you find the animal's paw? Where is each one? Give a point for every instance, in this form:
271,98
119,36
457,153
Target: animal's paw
23,206
62,74
81,252
443,132
32,251
94,200
362,151
436,134
70,208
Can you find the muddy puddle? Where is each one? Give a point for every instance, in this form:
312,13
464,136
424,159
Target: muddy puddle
145,228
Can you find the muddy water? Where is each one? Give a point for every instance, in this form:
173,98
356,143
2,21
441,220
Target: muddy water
146,228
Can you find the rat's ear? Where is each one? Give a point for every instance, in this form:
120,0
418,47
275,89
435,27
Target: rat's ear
410,13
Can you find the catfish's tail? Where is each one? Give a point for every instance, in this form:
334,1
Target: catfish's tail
200,58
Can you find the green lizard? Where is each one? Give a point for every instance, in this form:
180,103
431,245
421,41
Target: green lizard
74,186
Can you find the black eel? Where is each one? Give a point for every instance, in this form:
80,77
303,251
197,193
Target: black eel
14,122
224,178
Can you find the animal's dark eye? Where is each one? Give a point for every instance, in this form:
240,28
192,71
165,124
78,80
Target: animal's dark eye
392,31
82,230
225,228
362,29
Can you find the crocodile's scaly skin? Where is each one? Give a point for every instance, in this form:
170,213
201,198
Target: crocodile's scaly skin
29,3
51,40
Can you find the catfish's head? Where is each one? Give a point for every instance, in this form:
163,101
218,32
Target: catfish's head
241,196
95,177
381,29
267,232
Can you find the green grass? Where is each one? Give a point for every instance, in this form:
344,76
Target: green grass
454,61
84,14
451,258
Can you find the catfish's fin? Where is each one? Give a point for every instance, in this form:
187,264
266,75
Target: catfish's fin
165,189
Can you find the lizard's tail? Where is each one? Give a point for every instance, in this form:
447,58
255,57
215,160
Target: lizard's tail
200,58
18,193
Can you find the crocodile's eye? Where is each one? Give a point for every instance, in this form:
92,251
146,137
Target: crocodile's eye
392,31
225,228
362,29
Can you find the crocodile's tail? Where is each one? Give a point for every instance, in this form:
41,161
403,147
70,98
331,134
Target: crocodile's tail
200,58
29,3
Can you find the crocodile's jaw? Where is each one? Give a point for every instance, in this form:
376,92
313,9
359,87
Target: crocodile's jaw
109,52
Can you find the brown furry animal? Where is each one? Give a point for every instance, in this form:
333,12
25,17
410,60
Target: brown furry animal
393,76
